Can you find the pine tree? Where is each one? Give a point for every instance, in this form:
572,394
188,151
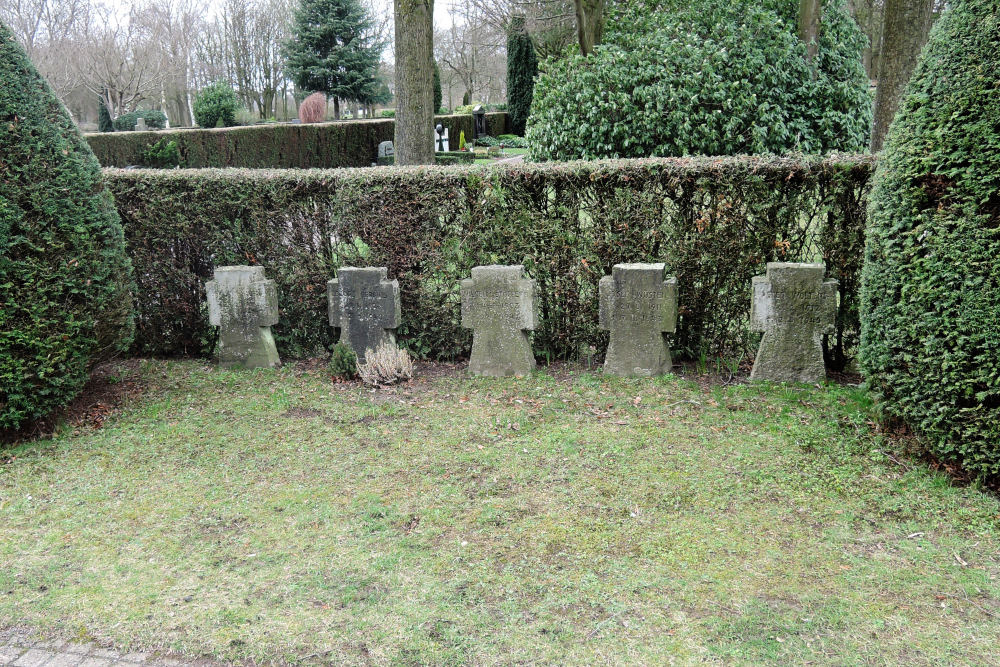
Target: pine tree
65,280
332,50
104,122
437,87
522,66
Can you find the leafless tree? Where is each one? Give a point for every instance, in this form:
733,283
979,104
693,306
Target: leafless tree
474,52
124,63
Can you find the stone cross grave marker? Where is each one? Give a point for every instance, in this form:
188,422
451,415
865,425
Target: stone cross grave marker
498,304
385,149
244,305
365,306
638,305
794,307
140,125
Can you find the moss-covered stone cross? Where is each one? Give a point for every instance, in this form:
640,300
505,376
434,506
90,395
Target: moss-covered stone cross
794,307
498,304
365,305
638,305
244,305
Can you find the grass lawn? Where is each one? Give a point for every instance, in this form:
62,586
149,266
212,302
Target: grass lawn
570,519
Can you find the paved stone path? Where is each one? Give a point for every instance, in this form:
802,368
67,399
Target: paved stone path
23,648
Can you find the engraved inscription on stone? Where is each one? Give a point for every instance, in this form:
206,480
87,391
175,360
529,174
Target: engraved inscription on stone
638,306
498,304
244,305
794,307
365,306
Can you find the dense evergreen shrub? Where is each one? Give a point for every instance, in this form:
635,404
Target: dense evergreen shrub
104,122
931,335
277,145
715,222
437,88
214,103
162,154
155,119
713,77
65,300
522,67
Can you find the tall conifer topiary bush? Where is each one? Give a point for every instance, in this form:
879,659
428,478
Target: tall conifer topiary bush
930,341
104,122
522,66
65,281
437,88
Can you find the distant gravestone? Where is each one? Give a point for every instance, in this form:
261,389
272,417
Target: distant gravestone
365,306
638,305
794,307
385,149
441,141
244,305
140,124
498,304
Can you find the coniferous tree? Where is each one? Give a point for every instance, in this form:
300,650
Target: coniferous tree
437,87
65,280
104,122
332,50
522,66
930,296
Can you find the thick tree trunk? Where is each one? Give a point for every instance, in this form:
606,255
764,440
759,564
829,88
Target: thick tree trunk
809,15
414,140
589,24
905,27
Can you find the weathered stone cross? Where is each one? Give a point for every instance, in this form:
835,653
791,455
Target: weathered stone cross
498,304
365,305
794,307
244,305
638,306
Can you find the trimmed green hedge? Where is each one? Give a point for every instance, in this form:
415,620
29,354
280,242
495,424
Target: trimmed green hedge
715,222
931,344
275,146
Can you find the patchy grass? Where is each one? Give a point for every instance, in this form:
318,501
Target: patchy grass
275,516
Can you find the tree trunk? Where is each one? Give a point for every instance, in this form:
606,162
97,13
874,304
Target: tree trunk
905,27
809,15
589,24
414,139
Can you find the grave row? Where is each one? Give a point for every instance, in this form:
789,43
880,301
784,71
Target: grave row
792,305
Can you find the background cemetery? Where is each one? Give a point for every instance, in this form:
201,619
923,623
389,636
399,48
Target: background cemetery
624,349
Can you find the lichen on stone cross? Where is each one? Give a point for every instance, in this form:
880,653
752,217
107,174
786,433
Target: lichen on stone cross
244,305
638,306
498,304
365,306
794,307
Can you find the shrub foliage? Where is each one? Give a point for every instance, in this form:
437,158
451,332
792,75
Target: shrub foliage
522,67
313,108
65,300
931,340
713,77
714,222
216,102
154,118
